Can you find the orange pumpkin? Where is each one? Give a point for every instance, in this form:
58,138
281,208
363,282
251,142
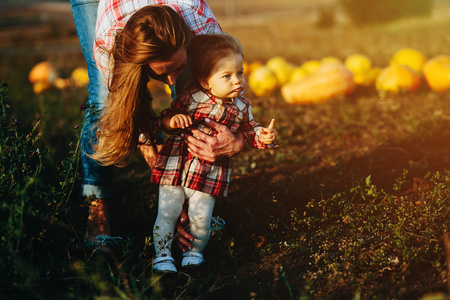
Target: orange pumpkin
437,73
358,63
311,66
263,81
41,86
409,57
397,79
297,74
368,78
43,72
61,83
330,59
80,76
329,81
253,66
281,68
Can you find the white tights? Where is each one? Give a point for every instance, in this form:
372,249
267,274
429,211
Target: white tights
170,205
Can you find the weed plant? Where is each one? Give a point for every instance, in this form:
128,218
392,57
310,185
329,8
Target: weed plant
42,221
33,214
372,241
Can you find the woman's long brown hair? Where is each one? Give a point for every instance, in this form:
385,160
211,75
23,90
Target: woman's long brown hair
153,33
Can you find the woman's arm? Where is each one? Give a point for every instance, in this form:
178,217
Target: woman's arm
149,152
211,148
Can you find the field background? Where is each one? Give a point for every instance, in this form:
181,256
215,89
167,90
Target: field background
364,143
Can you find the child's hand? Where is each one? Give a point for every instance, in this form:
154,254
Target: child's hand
268,134
180,121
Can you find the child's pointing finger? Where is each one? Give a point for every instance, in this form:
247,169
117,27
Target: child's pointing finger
271,124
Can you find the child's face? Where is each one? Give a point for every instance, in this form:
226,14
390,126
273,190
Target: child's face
227,78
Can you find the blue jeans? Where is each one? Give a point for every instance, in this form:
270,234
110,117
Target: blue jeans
96,179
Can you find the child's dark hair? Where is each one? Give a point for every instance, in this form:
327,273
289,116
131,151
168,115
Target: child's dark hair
205,51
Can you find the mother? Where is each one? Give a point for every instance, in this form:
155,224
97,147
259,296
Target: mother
136,40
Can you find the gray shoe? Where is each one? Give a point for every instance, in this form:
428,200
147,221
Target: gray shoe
101,242
164,264
192,259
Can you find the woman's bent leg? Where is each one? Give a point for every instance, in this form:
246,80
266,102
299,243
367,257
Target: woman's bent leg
96,179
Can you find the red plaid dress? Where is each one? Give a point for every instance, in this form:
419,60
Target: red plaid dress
114,14
176,166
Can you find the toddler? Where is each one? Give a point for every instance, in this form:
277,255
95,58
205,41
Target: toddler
214,92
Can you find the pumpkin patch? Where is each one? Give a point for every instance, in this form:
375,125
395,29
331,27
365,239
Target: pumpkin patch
44,76
312,81
319,80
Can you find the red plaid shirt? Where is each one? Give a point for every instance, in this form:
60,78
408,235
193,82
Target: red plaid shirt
176,166
114,14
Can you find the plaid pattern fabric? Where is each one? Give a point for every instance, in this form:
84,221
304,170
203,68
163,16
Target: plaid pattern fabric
114,14
176,166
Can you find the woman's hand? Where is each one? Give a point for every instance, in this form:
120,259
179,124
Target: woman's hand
182,237
211,148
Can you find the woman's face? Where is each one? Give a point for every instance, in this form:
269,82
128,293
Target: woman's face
168,71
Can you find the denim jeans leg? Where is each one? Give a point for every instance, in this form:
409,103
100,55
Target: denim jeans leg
96,179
